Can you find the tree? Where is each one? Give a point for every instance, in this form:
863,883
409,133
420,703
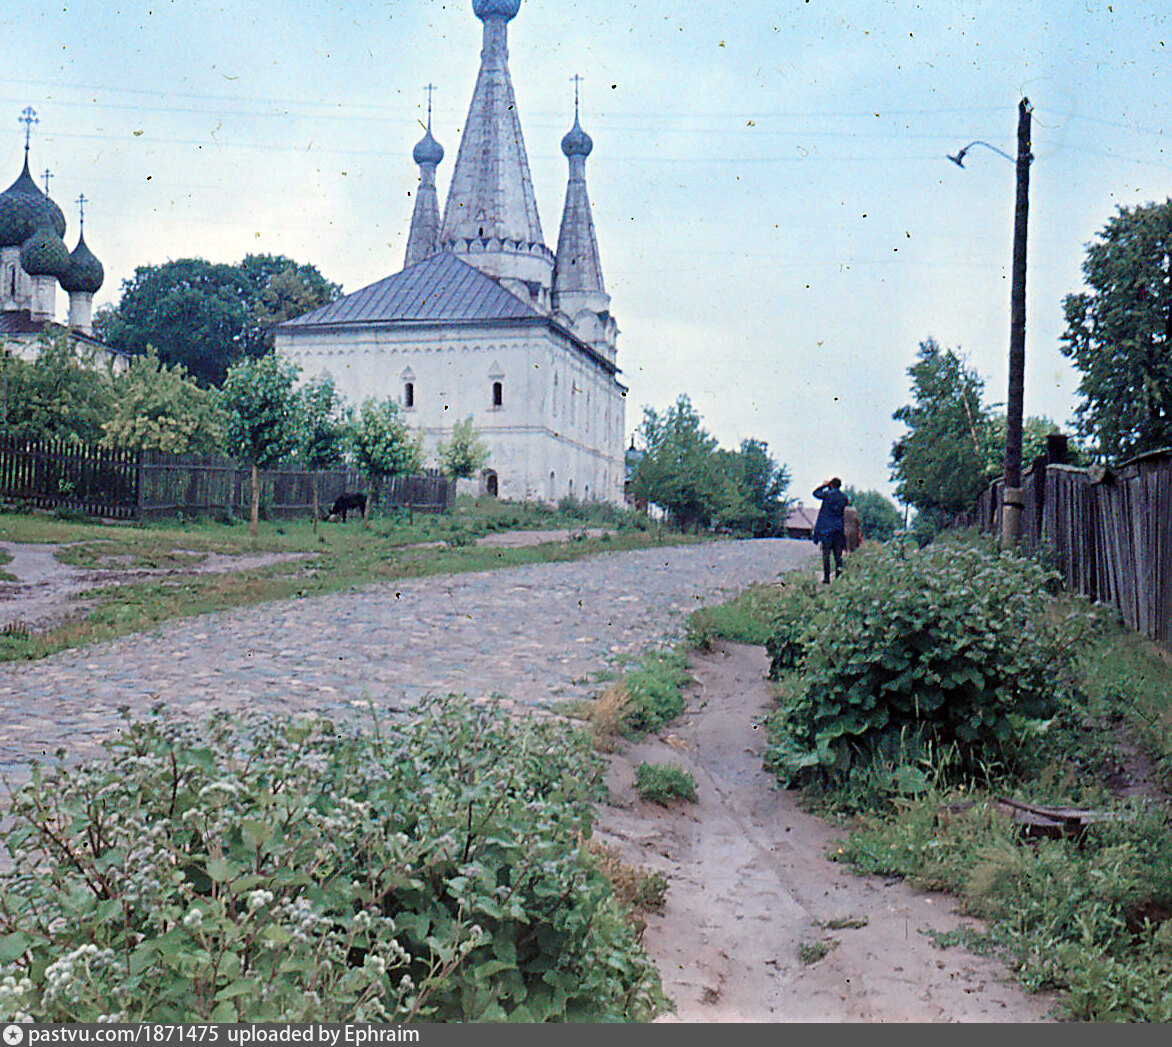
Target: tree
943,462
752,500
262,417
680,470
192,311
61,395
879,516
279,290
207,316
383,443
464,455
322,430
159,408
1119,334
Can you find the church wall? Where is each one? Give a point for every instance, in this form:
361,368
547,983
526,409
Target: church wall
452,370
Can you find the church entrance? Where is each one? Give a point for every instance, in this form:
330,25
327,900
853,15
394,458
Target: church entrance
488,483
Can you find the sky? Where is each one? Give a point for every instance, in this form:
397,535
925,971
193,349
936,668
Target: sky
779,225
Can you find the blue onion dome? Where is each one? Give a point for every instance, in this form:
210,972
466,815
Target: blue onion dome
45,254
23,208
486,9
85,271
428,150
577,142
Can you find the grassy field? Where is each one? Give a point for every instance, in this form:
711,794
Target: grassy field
337,557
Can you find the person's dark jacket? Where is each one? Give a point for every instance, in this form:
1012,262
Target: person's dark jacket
830,521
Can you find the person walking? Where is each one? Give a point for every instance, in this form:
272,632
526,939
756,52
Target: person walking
829,530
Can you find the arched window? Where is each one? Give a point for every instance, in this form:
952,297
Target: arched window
408,394
498,394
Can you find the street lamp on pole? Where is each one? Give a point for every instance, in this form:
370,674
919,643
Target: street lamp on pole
1011,498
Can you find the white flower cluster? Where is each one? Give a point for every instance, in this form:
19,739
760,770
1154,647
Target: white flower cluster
229,788
258,899
70,976
14,993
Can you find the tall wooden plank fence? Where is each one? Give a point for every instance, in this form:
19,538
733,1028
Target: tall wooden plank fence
134,485
1110,529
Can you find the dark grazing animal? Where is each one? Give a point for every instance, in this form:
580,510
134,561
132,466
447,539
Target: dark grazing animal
347,502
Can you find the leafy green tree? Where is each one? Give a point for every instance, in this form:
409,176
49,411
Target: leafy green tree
159,408
750,495
879,516
262,417
464,454
61,395
763,483
192,311
207,316
279,290
944,461
680,470
323,426
1119,334
383,443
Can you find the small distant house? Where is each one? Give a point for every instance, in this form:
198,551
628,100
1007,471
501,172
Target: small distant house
799,522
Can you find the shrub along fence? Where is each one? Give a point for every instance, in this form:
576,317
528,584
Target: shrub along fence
1109,529
136,485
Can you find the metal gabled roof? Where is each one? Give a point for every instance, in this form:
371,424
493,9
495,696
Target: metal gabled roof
440,288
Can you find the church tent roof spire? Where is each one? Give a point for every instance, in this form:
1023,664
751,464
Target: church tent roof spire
578,289
491,215
423,240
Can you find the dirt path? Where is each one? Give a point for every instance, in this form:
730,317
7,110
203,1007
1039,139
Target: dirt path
749,883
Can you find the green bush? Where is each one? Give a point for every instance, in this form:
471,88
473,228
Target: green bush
955,643
274,870
663,783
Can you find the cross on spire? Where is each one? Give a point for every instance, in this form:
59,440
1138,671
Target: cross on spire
28,118
577,80
81,202
429,89
47,176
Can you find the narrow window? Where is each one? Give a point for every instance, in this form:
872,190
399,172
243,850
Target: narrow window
498,394
409,394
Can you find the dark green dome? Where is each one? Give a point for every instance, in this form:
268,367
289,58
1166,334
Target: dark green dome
45,254
85,271
24,208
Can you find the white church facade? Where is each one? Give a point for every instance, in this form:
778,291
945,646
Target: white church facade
485,320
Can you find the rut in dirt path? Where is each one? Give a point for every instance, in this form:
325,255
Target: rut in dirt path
749,882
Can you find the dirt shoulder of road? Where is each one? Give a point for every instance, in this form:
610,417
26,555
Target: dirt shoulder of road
750,882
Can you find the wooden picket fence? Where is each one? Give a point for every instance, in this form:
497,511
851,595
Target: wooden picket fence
1110,530
136,485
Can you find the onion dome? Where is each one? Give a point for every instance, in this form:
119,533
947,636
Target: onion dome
85,271
577,142
24,208
486,9
428,150
45,254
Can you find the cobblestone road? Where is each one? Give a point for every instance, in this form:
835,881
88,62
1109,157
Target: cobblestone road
536,634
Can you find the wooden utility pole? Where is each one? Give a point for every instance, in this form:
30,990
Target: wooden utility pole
1011,501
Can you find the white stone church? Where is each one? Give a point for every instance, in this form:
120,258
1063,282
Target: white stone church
484,320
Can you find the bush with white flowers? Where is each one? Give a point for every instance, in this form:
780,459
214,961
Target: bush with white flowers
267,869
